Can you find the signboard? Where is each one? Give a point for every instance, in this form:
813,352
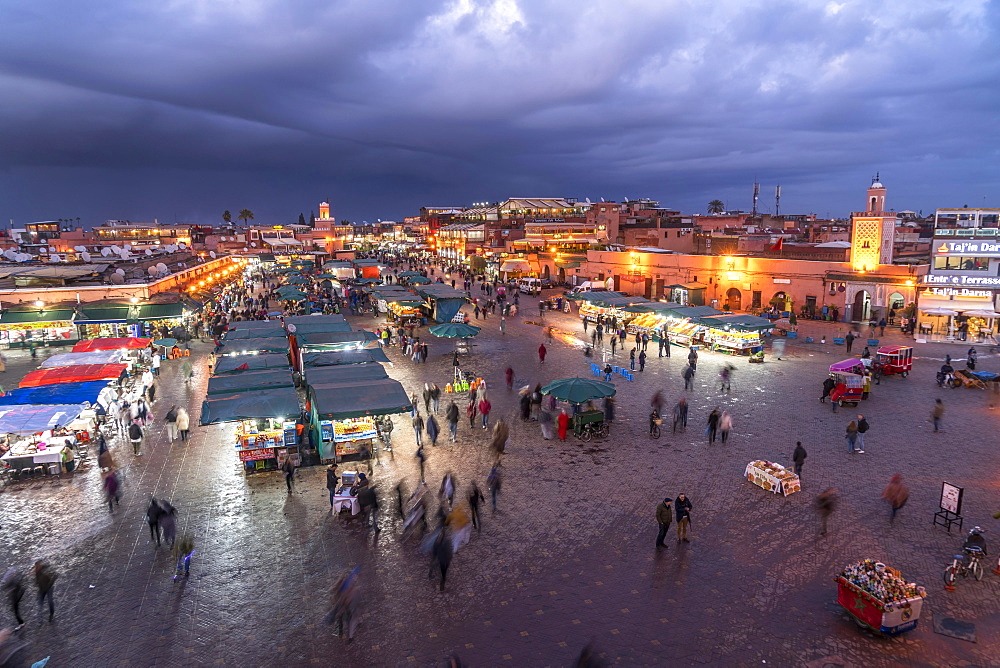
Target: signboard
960,292
978,247
354,429
937,279
254,455
785,281
951,498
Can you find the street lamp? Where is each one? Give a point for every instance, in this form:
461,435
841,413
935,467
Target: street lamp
40,305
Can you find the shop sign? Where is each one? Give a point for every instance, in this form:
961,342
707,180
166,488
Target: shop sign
785,281
981,248
938,279
254,455
951,498
960,292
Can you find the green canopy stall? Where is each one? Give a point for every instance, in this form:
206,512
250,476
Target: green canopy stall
343,414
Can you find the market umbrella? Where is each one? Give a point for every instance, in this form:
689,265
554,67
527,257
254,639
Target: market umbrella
297,280
326,275
418,279
939,311
980,314
454,330
166,343
407,274
579,390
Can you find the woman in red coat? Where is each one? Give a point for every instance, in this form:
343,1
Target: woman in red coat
541,354
563,421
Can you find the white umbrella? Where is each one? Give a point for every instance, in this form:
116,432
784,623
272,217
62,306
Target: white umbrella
982,314
939,311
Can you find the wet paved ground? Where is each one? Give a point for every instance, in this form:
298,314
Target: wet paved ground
568,558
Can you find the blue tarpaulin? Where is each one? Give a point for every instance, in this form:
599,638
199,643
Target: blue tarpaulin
31,419
60,393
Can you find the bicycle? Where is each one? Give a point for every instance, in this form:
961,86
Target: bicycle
959,567
655,422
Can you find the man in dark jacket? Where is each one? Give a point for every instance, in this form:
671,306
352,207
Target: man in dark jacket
369,506
713,424
45,578
664,516
682,506
331,480
862,428
452,416
828,386
799,457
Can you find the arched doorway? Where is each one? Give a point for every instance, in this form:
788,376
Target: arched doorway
734,300
862,309
545,271
562,276
780,301
897,301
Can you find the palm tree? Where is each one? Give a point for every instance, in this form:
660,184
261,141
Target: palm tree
246,215
227,217
716,206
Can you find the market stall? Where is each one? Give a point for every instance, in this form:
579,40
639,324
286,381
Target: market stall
77,359
266,432
344,357
96,393
271,344
349,373
352,406
73,374
773,477
249,381
252,362
21,326
604,304
879,598
128,343
273,330
649,318
104,320
445,301
736,334
35,435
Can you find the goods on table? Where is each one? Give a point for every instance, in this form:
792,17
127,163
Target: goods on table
735,340
354,429
646,321
683,330
248,436
879,598
773,477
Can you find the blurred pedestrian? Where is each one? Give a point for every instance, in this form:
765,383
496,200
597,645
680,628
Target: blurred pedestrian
470,412
432,429
713,424
509,377
451,415
289,469
494,481
368,501
442,553
475,498
688,374
418,429
826,503
725,425
682,508
447,491
681,415
13,586
799,457
937,415
153,514
563,421
135,436
547,423
344,615
896,493
541,353
168,522
422,460
171,421
664,516
45,580
183,551
111,492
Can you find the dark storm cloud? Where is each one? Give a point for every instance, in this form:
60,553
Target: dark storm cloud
184,108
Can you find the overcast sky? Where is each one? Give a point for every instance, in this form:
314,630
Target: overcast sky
180,109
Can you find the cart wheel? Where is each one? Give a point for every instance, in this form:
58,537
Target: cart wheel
840,402
605,431
905,374
655,433
586,435
949,576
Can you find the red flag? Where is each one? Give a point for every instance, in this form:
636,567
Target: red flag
243,367
777,246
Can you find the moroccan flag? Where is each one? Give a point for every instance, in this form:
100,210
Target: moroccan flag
863,606
777,246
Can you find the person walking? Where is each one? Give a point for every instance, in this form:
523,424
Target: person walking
289,470
881,326
631,359
183,424
614,344
682,507
509,377
432,429
451,415
828,386
475,498
826,503
713,424
435,397
693,359
688,374
563,423
937,414
642,361
896,493
427,398
664,516
421,460
541,353
171,420
725,425
111,490
442,552
183,550
45,580
168,522
13,586
681,415
852,437
484,410
849,340
153,514
135,436
418,429
494,482
369,507
862,429
799,457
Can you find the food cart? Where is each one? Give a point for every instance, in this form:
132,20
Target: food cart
878,598
773,477
891,361
266,431
854,376
342,413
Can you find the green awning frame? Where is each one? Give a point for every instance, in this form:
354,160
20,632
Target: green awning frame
19,317
160,311
101,314
339,401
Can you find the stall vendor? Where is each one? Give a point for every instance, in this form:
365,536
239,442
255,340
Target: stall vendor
68,458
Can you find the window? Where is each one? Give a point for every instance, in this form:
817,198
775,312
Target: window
954,263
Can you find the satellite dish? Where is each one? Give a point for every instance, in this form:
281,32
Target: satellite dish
182,246
54,258
117,279
106,251
86,256
79,249
23,257
152,271
212,253
53,249
116,250
148,252
127,246
171,248
245,249
120,272
162,267
253,244
291,328
9,253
